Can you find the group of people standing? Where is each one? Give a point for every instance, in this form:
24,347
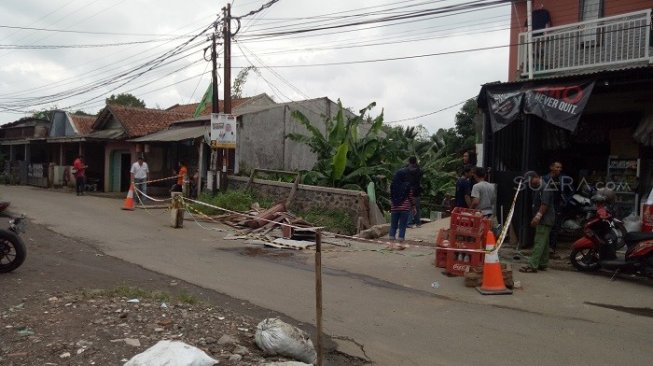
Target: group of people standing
140,172
475,192
548,201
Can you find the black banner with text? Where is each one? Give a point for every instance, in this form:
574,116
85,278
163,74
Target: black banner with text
558,104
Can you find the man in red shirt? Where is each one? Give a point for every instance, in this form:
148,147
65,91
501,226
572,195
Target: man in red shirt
79,170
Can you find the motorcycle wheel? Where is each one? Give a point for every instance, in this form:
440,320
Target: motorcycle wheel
585,260
12,251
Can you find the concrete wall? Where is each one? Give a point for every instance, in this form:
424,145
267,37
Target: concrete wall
355,203
261,136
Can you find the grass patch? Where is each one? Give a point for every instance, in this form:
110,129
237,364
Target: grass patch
334,220
130,292
235,200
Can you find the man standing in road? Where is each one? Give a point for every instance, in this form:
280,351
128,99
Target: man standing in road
79,170
463,196
543,220
140,173
555,182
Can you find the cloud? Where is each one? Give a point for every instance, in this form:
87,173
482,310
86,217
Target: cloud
403,88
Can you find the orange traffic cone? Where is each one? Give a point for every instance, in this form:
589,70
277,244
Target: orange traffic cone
129,201
492,276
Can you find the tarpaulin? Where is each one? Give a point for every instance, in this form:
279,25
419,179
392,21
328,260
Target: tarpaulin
560,104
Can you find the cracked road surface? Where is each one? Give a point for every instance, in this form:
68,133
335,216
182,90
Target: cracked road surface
383,302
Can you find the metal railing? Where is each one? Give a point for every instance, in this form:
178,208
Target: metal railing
600,43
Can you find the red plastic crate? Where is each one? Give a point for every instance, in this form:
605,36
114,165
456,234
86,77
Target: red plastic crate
443,234
466,221
440,258
466,241
455,267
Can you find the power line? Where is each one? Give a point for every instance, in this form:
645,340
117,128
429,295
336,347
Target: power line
263,7
86,32
430,113
97,45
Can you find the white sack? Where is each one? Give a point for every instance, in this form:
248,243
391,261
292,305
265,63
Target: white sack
275,337
172,353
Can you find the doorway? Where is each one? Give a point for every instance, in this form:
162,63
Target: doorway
120,165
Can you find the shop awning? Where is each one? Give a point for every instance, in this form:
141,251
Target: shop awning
559,103
175,134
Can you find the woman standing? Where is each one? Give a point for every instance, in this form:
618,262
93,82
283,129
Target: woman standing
402,206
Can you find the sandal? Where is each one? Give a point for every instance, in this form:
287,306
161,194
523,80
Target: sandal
527,269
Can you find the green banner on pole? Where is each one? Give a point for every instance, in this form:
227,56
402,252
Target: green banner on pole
208,97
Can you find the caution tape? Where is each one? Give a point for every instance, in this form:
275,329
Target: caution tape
139,192
313,229
389,243
161,179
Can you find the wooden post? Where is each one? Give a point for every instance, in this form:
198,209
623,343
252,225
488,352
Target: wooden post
318,295
177,210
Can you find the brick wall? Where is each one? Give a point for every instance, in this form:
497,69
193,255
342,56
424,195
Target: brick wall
355,203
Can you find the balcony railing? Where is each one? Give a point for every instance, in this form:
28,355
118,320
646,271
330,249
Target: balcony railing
601,43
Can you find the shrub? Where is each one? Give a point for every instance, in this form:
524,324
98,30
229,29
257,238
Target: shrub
334,220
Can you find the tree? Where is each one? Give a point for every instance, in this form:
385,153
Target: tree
465,124
81,113
239,82
125,99
345,158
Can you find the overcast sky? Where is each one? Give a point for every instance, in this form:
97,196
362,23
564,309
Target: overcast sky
403,88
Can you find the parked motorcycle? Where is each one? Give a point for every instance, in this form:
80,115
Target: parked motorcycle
12,248
575,214
604,236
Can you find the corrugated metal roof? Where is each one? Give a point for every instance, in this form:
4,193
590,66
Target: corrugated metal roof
175,134
571,76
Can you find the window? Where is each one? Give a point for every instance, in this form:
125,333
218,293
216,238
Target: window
590,10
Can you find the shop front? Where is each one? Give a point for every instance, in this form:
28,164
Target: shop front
599,126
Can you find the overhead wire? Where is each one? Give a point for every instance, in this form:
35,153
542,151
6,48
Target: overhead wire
122,78
110,66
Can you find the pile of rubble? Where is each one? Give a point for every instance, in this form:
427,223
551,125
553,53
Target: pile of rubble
273,227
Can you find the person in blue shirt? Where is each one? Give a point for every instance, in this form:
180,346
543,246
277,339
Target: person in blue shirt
561,188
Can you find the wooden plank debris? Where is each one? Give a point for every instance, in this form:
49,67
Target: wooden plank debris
293,244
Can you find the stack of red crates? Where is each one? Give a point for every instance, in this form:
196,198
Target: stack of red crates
467,230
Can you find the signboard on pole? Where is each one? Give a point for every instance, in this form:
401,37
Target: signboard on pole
223,130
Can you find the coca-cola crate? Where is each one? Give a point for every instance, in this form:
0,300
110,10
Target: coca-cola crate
465,221
443,235
460,262
466,241
440,257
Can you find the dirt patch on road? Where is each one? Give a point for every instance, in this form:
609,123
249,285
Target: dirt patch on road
69,304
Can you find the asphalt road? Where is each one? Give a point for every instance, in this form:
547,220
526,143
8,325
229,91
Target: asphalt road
384,302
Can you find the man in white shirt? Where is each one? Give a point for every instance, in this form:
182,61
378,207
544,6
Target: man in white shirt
139,174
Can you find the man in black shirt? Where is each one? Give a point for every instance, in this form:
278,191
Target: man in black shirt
463,196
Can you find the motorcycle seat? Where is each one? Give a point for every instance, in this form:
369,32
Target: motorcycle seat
637,236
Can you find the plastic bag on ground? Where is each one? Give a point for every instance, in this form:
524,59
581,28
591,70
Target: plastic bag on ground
172,353
276,337
633,223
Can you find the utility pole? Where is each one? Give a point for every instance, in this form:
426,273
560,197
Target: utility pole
226,35
215,108
227,58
